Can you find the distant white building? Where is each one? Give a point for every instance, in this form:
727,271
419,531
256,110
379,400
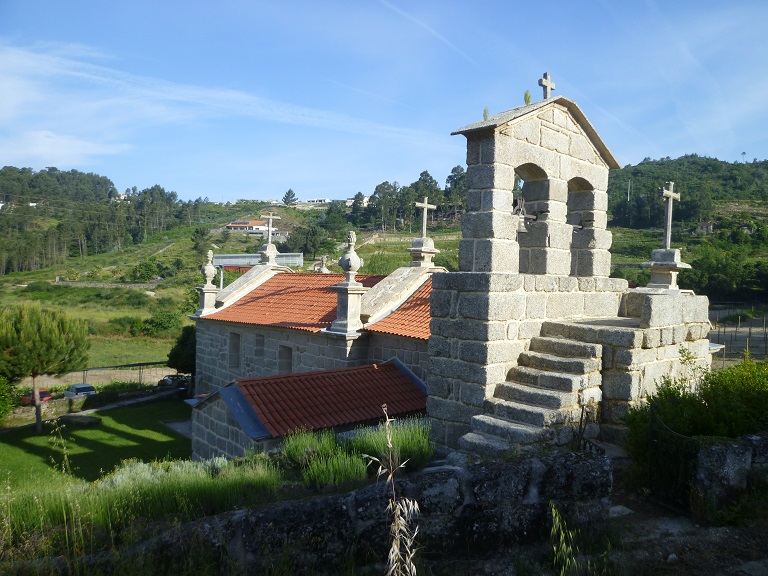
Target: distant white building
250,226
319,201
351,201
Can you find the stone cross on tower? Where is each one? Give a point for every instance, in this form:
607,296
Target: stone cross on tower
269,225
668,192
425,207
547,84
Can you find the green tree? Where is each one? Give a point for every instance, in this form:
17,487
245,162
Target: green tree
35,341
356,212
289,197
428,186
456,189
200,239
7,400
182,355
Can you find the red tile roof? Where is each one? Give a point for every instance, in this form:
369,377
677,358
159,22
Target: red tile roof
300,301
331,398
411,319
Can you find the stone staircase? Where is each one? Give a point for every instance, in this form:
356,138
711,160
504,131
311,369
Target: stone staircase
542,394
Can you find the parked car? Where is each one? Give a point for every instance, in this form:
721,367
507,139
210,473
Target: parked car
77,390
178,380
28,398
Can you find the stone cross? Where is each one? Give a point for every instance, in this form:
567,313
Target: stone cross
269,225
668,192
547,84
425,207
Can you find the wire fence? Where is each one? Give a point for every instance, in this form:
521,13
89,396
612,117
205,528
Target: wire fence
740,329
141,372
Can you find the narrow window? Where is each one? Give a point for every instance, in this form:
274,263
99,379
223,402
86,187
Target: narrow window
258,348
234,351
285,359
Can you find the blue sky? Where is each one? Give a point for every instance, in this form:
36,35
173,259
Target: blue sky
245,99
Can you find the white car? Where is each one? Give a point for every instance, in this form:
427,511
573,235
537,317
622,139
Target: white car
79,390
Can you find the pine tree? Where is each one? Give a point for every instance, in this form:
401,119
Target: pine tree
290,197
34,341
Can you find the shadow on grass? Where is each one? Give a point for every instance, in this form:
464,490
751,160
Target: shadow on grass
92,451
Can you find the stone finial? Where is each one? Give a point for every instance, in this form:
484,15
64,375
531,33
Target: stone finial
351,262
269,254
323,267
209,270
349,294
208,291
547,84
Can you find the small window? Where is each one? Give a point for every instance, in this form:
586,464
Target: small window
285,359
234,350
258,349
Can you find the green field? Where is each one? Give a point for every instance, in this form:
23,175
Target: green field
28,460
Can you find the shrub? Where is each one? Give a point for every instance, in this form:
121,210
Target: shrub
7,398
334,469
301,447
410,439
732,402
161,322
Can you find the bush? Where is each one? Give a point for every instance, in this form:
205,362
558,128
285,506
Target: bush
301,447
730,403
410,438
7,398
334,469
161,322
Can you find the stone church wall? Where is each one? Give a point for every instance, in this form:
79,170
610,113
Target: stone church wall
260,352
410,351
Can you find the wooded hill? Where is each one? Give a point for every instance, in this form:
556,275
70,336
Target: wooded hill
50,215
703,184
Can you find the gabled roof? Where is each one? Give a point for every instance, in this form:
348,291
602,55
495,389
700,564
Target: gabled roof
300,301
331,398
246,222
498,120
411,319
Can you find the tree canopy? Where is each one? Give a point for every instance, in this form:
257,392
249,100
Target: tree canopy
36,341
289,197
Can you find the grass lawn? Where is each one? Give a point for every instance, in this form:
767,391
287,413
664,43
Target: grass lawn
115,350
28,460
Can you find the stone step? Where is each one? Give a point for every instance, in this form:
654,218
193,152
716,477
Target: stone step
559,364
506,430
552,380
571,331
527,413
566,347
535,395
486,444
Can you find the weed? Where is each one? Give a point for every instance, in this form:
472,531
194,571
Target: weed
568,559
403,511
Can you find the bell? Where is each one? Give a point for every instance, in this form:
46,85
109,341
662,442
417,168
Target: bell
521,225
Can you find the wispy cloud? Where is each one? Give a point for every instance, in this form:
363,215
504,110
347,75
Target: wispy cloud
427,28
51,101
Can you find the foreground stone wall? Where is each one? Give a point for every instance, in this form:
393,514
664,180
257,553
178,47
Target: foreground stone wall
464,510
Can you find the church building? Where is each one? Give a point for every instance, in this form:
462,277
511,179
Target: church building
529,341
